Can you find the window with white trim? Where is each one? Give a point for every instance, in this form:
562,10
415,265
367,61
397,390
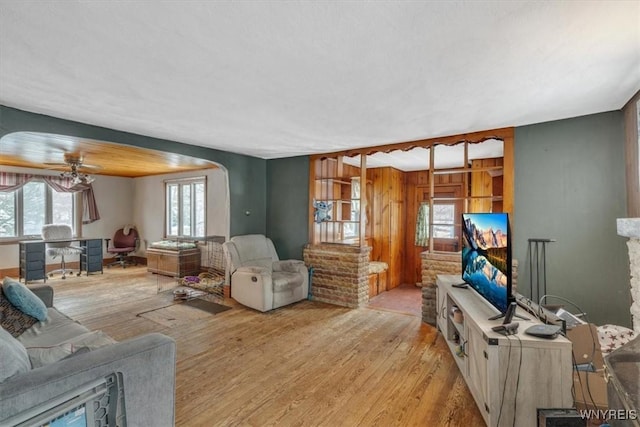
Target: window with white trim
186,207
23,212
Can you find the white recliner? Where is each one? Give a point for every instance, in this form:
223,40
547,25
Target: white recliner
258,278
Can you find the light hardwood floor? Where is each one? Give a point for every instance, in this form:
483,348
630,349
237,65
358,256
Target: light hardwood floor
306,364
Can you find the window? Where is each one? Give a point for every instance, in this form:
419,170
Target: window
352,226
23,212
186,210
443,222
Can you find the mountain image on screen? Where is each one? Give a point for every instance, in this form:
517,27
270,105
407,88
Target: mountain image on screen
485,256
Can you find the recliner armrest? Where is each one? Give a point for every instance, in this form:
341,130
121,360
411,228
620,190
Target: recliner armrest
253,269
289,265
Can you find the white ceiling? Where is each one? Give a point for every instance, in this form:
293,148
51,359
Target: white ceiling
277,79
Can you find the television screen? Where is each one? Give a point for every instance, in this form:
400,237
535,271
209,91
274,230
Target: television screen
486,256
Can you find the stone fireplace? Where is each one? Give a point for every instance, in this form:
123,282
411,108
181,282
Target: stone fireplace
630,228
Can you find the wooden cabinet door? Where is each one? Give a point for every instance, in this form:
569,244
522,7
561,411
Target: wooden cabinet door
477,350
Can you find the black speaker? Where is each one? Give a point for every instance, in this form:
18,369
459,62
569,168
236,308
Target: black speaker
559,417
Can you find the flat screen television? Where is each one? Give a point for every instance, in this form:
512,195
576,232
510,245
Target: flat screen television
486,257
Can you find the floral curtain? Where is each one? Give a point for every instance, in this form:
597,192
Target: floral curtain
13,181
422,225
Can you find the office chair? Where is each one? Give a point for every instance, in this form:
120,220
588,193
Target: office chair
63,233
124,242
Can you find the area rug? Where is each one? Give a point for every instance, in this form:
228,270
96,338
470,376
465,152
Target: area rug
208,306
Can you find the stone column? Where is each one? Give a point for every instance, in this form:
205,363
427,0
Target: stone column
340,273
432,265
630,228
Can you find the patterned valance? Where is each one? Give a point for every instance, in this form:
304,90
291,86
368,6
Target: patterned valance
14,181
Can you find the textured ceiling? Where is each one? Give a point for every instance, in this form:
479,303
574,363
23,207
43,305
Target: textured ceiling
277,79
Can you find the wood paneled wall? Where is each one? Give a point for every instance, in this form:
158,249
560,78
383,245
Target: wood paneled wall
388,221
393,200
417,190
486,184
331,180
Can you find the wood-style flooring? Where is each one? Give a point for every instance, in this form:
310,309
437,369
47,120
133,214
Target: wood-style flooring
308,364
405,298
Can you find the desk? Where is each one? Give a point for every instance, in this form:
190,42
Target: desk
33,257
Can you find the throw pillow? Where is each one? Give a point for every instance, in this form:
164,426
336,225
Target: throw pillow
14,321
13,356
24,299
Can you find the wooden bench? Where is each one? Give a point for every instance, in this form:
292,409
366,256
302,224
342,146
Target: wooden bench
377,277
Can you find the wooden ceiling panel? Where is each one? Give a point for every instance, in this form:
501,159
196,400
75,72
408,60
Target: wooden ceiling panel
34,150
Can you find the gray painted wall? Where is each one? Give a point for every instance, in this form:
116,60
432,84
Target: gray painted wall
247,184
288,205
569,179
570,186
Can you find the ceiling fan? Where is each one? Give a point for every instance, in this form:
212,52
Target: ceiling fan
75,163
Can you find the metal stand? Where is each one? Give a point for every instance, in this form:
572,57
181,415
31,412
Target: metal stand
538,259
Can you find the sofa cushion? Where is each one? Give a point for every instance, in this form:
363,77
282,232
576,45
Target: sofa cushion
41,356
56,329
13,320
88,341
91,340
13,356
24,299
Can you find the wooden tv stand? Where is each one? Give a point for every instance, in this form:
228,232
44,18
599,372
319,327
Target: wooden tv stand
546,372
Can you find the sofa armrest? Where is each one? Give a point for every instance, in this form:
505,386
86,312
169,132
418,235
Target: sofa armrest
147,365
44,292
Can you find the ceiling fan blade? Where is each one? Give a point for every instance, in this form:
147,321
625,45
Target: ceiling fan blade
55,166
94,167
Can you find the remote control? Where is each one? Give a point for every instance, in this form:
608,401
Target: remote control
508,329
